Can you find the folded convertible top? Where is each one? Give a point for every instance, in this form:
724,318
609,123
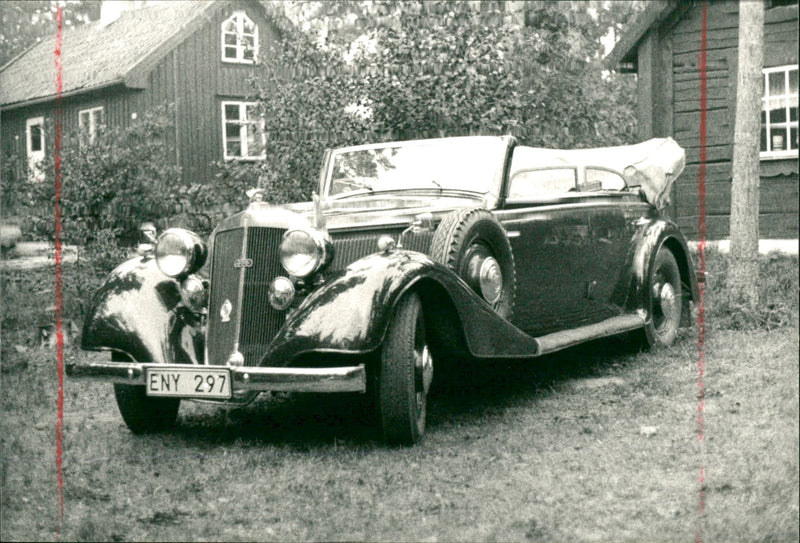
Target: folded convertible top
653,165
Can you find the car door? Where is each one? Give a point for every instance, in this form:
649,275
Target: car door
612,218
549,230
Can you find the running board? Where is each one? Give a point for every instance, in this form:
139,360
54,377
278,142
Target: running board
609,327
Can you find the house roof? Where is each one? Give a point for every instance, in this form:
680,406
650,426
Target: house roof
95,56
625,49
623,56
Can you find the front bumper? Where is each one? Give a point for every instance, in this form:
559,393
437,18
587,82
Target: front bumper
243,378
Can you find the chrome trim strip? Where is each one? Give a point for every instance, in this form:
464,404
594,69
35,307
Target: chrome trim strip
257,379
240,297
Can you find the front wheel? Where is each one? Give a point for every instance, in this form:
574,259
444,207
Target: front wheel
144,414
406,373
663,301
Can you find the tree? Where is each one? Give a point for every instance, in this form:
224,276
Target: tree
358,71
743,268
25,22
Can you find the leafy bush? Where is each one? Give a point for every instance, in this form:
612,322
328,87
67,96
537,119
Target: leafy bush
108,187
378,71
778,293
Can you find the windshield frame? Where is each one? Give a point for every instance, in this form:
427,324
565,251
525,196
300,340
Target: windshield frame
503,143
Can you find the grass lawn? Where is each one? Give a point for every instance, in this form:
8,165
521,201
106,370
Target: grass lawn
592,444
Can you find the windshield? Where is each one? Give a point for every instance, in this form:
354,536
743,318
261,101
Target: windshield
465,164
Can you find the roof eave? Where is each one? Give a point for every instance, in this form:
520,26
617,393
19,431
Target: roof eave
626,47
51,97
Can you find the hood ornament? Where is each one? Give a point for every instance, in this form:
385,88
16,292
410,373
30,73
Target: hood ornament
255,195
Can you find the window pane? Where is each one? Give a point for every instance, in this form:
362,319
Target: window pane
232,131
793,139
777,83
249,27
233,148
763,139
36,137
230,39
255,141
232,112
542,182
603,180
778,137
793,107
229,25
249,48
98,117
793,82
252,111
777,113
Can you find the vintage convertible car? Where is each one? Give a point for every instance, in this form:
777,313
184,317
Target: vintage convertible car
415,256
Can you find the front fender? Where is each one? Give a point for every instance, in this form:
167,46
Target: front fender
648,241
350,314
138,311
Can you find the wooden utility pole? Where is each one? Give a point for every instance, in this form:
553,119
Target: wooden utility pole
743,267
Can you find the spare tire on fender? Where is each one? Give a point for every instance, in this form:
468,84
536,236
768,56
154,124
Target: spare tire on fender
474,245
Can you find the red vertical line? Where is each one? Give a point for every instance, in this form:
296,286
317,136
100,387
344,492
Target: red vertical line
701,254
58,291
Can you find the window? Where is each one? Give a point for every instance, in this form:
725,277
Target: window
602,179
239,39
242,131
34,138
779,113
542,183
89,123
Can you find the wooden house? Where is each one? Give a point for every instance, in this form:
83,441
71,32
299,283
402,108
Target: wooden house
663,48
194,55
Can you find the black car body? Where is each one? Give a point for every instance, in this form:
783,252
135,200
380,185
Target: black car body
415,254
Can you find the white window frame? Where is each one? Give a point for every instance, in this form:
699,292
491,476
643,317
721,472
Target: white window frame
35,157
90,132
240,18
243,123
789,124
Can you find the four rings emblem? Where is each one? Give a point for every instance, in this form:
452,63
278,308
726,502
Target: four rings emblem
243,263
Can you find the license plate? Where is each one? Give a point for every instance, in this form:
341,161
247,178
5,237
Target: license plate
190,382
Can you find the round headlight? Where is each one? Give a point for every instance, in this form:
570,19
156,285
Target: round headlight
302,252
179,252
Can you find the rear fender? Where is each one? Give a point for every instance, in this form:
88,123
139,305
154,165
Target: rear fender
648,241
138,311
350,314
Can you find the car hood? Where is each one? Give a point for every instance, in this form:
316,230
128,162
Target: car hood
382,210
363,212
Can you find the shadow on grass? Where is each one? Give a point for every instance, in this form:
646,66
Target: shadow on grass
478,391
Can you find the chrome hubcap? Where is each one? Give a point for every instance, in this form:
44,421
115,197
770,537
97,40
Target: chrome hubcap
491,280
423,373
667,299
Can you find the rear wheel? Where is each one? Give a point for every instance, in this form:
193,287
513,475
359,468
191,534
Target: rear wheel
144,414
663,301
406,373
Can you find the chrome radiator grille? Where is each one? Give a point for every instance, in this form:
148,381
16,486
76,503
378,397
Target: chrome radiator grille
259,321
350,246
251,316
